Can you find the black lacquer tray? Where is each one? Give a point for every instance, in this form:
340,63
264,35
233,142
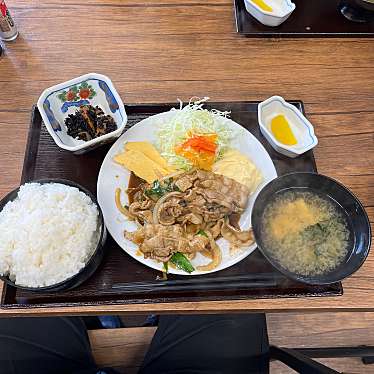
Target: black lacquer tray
311,18
122,280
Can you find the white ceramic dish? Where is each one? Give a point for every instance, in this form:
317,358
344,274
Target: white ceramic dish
113,175
300,126
282,9
57,102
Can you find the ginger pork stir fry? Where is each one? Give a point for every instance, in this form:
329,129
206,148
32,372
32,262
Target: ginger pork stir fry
186,214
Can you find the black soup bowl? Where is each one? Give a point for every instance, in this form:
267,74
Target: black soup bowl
92,263
357,10
347,204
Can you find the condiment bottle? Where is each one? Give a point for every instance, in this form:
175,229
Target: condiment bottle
8,29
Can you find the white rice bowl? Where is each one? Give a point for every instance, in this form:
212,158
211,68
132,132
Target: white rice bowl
47,234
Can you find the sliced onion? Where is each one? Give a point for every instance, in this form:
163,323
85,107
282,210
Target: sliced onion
120,207
160,202
217,255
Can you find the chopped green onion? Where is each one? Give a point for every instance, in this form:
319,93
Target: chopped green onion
157,189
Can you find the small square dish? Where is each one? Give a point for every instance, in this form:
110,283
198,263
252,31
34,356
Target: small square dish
57,103
279,120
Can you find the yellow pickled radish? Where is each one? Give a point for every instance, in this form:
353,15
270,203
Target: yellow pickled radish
282,130
263,5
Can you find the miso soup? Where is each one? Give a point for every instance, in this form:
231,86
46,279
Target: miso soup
306,233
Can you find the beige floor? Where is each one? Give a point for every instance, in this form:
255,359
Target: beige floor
125,348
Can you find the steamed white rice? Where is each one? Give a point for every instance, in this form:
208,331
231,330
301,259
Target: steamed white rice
47,234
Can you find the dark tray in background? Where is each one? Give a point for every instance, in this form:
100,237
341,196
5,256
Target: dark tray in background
253,277
311,18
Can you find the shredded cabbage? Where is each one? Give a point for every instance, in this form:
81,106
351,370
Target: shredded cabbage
193,117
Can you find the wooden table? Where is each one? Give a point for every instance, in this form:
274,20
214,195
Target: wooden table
161,50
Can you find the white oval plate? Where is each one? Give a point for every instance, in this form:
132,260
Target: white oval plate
113,175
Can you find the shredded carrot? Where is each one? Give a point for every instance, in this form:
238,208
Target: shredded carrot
199,149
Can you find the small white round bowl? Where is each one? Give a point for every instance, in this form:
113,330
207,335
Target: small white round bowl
57,102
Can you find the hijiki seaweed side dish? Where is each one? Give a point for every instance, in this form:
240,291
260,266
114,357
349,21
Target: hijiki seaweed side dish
183,203
89,122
